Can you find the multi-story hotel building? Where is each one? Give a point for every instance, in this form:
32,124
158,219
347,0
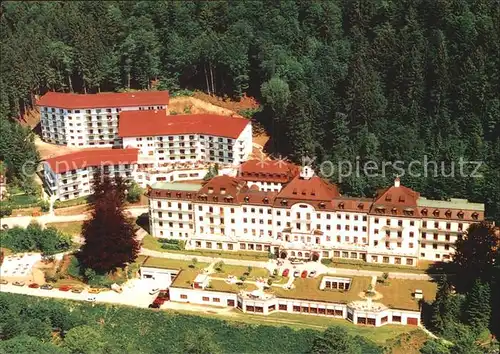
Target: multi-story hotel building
164,140
308,218
70,176
91,120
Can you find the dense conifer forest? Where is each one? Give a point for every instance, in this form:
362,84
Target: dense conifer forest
355,80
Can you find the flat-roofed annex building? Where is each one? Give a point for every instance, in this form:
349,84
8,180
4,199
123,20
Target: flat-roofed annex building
91,120
70,176
308,218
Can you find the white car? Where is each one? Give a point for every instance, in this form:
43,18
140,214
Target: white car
312,274
91,299
296,274
154,291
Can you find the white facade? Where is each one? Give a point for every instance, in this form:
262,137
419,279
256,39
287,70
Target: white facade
302,230
161,150
84,127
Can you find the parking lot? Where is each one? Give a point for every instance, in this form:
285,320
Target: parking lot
135,293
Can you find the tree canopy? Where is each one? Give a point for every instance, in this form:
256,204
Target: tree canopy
339,80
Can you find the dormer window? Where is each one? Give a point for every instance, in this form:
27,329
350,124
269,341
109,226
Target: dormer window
460,214
388,197
436,212
216,198
394,210
313,192
266,200
322,205
341,205
178,194
246,199
223,191
169,194
294,191
448,213
210,190
475,215
304,192
402,198
361,206
284,202
424,212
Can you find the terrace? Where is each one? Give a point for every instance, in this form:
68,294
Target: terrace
398,293
186,278
309,289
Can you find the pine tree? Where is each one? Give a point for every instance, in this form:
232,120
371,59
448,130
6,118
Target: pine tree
478,306
109,237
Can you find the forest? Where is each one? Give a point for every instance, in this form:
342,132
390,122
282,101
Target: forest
340,80
39,325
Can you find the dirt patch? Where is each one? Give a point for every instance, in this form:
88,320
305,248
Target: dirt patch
47,150
244,103
75,210
192,105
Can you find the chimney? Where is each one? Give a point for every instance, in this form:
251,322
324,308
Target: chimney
397,182
306,172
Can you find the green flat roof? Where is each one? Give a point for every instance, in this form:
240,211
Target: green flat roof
188,187
453,203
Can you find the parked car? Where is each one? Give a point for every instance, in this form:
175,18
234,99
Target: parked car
91,299
285,272
297,262
76,290
5,226
312,274
304,274
94,291
154,291
18,283
34,286
65,288
154,306
164,294
159,301
46,287
3,281
296,274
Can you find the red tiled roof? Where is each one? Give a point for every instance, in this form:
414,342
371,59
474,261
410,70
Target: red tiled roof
396,200
92,157
153,123
313,189
103,100
268,171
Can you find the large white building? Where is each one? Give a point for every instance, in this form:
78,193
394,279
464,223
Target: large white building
308,218
163,140
91,120
70,176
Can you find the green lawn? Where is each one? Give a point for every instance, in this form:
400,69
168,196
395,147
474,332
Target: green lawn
23,199
152,243
238,271
379,335
167,263
421,268
308,289
398,293
71,228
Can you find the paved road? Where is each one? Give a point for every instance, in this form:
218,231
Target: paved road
135,293
24,221
271,265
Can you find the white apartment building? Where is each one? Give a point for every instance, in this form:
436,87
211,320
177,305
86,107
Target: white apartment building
91,120
308,218
70,176
186,139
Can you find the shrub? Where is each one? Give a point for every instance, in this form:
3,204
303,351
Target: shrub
134,193
243,278
44,205
5,209
249,112
183,92
269,281
187,110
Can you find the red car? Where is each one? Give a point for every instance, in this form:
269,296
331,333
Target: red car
304,274
34,286
65,288
285,272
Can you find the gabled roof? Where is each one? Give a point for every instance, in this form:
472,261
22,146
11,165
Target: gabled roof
103,100
396,200
154,123
92,157
268,171
314,189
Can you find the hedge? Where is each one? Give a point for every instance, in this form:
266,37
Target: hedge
73,202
